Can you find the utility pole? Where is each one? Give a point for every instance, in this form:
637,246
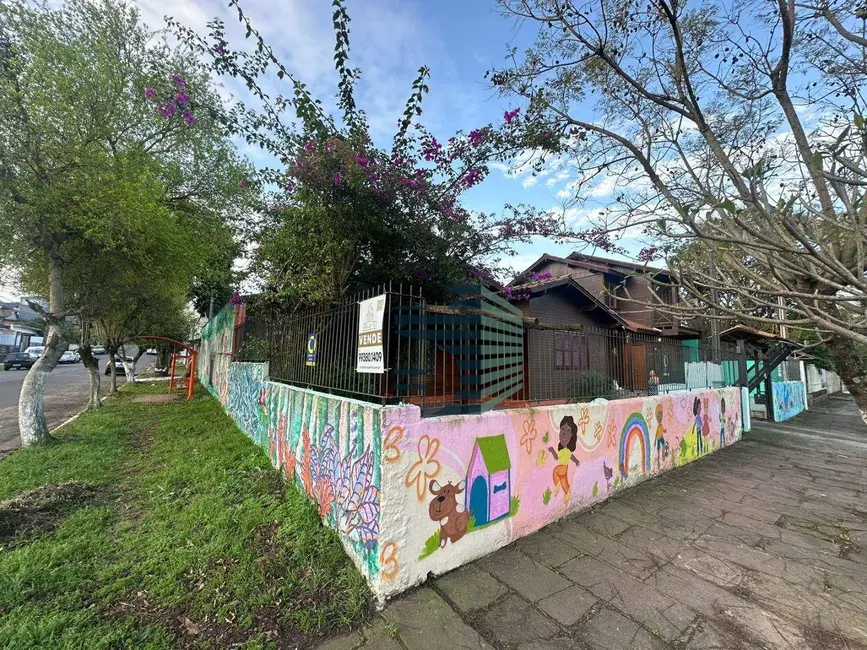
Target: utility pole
211,307
714,323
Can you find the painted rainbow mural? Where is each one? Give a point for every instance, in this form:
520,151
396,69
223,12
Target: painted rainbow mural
635,427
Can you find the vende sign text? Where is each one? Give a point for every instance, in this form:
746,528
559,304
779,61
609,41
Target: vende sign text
370,354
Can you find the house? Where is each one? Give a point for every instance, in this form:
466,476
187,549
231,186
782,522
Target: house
489,486
595,328
624,288
20,325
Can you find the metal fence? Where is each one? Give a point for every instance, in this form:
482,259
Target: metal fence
583,363
474,354
317,347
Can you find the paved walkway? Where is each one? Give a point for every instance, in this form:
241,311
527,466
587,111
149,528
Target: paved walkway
763,545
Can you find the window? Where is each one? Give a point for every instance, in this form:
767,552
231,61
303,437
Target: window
571,351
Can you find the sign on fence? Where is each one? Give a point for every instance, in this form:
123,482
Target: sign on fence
312,344
370,316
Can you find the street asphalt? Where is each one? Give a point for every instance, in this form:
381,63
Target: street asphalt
65,395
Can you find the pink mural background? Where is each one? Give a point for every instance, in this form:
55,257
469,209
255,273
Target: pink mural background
616,445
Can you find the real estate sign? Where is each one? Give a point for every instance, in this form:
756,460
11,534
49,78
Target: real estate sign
370,355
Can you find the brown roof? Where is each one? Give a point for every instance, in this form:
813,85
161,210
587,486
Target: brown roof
605,264
751,334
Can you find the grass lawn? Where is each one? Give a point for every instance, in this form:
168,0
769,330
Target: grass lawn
162,526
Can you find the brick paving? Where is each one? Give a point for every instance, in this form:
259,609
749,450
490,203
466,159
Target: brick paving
761,545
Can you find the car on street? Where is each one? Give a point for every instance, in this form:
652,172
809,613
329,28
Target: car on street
98,350
17,360
151,351
118,362
35,351
70,356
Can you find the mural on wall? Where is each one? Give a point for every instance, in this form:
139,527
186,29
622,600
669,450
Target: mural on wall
481,498
330,447
492,478
789,399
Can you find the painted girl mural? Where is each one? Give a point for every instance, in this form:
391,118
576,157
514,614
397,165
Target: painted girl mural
696,411
563,454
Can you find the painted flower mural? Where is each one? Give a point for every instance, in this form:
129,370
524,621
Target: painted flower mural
344,490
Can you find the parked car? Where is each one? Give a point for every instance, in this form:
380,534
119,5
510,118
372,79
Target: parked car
69,356
17,360
96,350
35,351
121,369
151,351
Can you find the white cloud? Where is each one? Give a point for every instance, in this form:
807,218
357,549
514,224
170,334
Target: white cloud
389,42
604,188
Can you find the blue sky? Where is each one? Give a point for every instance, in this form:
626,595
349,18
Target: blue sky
391,39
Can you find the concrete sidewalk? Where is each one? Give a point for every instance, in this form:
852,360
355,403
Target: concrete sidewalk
761,545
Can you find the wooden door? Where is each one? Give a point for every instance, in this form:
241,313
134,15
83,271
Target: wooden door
639,367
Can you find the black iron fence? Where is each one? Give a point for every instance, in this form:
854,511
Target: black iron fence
583,363
476,353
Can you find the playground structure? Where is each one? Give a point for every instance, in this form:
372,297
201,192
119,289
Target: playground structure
191,363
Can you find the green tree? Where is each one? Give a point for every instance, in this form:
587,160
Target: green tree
96,111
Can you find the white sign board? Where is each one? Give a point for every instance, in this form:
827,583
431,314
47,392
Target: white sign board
370,354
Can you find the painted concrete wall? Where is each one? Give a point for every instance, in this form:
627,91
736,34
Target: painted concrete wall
789,399
394,485
328,446
428,523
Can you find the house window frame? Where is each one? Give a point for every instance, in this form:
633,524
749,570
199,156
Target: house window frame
571,351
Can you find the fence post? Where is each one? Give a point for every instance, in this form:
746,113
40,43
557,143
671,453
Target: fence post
743,379
630,361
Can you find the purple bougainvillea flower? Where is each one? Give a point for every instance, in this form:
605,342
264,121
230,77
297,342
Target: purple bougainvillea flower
189,118
241,185
362,161
220,50
166,111
182,98
150,92
477,136
511,115
236,298
179,81
337,179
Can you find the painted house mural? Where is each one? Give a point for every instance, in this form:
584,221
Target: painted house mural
410,496
488,481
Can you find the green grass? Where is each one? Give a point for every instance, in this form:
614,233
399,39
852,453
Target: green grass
190,539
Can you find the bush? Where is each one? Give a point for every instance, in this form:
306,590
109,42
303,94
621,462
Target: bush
591,384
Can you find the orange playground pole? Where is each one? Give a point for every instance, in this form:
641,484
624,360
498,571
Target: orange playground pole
172,376
191,378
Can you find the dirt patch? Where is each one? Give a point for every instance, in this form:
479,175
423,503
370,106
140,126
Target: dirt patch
209,631
42,509
159,398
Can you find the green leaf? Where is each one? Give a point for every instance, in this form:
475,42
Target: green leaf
859,121
729,206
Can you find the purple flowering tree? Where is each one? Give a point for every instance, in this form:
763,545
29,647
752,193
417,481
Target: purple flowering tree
349,213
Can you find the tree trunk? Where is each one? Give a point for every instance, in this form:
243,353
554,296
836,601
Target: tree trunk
92,364
130,369
31,402
851,364
112,353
